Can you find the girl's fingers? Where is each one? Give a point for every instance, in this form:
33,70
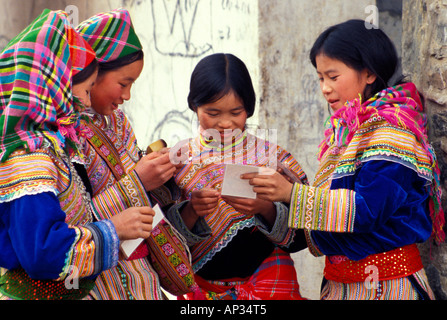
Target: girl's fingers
249,175
205,206
261,190
212,194
260,181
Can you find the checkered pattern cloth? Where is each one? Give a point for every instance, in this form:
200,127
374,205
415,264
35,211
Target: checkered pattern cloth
36,69
110,34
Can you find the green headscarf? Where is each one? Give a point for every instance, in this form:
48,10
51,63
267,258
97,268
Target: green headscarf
110,34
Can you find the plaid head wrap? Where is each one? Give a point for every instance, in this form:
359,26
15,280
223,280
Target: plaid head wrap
81,53
36,101
110,34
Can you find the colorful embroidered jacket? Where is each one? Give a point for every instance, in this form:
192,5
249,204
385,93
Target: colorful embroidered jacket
46,226
228,244
47,234
376,186
115,186
134,279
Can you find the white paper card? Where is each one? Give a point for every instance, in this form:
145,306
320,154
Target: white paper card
129,246
233,185
158,215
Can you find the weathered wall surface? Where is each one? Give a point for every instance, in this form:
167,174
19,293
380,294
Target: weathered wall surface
424,47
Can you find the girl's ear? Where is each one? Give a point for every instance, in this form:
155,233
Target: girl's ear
370,77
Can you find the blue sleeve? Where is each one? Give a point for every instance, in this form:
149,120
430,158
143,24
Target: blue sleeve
39,240
391,210
388,193
38,234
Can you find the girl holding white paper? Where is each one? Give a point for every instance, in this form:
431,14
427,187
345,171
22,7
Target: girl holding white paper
240,247
377,192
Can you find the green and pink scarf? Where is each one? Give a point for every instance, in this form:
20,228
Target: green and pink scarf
36,100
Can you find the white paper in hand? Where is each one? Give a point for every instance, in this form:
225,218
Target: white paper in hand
158,215
233,185
129,246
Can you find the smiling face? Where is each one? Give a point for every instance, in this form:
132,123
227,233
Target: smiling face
339,82
225,115
112,88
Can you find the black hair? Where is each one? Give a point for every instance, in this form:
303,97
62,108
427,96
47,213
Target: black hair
215,76
360,46
120,62
85,73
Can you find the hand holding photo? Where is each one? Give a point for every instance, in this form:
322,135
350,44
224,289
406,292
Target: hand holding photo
129,246
233,185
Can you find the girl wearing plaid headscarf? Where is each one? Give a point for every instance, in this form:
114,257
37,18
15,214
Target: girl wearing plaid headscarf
47,233
119,174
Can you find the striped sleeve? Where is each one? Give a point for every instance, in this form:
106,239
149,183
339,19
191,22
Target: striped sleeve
128,192
291,166
322,210
94,250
